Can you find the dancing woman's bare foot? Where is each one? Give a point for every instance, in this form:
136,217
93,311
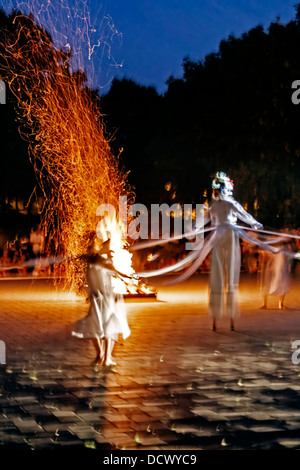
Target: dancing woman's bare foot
263,307
109,362
100,351
98,360
214,326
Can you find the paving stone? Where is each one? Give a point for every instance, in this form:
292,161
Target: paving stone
27,425
89,416
40,443
83,431
289,443
146,441
66,416
177,384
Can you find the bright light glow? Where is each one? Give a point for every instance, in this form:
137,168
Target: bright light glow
61,120
122,258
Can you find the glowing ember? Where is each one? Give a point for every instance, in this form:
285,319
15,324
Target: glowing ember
60,118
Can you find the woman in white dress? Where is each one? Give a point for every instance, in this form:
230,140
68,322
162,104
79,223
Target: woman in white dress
226,254
224,246
106,318
275,275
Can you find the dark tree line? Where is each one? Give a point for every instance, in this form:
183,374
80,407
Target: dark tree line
19,193
231,111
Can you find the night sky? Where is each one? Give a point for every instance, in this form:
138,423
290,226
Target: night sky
158,34
146,40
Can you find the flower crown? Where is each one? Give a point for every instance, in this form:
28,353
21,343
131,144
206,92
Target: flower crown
223,183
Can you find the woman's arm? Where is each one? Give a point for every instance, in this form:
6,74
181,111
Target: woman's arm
244,216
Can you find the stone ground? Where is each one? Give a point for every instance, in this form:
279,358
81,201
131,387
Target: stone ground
177,384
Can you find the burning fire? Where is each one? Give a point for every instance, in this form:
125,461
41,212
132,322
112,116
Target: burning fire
60,118
121,257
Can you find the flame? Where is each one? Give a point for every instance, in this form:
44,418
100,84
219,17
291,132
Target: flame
121,257
60,118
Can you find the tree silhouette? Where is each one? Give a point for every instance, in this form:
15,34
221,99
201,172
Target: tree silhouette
233,112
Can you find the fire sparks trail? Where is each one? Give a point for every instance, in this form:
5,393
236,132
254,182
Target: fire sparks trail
93,39
60,118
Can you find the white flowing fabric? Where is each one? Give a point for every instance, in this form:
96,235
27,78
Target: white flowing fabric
275,276
106,317
226,257
223,243
223,215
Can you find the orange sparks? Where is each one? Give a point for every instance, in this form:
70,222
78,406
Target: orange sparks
60,118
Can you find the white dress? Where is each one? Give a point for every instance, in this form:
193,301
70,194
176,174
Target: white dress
226,256
106,317
275,274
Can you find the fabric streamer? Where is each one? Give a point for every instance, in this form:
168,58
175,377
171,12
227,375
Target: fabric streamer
194,260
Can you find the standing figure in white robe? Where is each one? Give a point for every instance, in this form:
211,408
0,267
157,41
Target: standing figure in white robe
226,252
106,318
275,277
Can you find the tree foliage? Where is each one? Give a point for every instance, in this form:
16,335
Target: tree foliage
231,111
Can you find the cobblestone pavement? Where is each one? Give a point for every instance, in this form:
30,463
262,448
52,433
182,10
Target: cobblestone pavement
177,384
